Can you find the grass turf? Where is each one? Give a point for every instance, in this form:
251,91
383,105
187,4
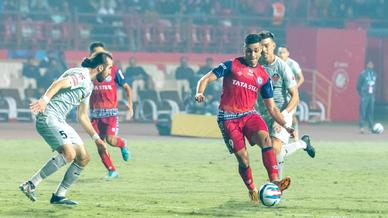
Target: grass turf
179,177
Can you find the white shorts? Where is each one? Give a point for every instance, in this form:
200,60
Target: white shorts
280,132
55,132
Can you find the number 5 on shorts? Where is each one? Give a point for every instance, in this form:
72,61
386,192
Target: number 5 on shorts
63,134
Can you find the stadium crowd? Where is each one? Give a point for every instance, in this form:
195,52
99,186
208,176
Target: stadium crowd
170,25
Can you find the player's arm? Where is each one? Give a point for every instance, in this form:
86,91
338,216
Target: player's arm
299,73
266,92
120,79
290,83
218,72
202,84
301,78
129,93
40,105
83,118
294,100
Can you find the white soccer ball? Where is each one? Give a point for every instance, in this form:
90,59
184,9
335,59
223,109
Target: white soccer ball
378,128
270,194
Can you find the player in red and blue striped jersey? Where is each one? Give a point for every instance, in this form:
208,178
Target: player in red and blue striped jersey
243,80
104,112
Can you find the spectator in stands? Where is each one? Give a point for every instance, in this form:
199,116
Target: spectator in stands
136,6
30,69
40,10
134,72
24,9
205,68
184,72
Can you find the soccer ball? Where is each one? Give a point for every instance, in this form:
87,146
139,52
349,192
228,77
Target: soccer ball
269,194
377,128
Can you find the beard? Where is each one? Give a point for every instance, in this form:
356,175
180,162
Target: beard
100,78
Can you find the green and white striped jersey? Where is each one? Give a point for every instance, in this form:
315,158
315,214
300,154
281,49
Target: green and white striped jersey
65,99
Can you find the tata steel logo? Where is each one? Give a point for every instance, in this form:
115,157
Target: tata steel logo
340,79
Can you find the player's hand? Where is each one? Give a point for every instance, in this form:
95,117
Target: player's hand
285,114
100,143
199,97
290,130
38,106
130,111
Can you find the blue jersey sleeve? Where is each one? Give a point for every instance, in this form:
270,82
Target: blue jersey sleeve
119,78
267,90
223,69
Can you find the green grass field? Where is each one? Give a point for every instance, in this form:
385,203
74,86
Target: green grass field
175,177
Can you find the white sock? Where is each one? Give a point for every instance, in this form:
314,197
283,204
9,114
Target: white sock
280,161
292,147
49,168
72,174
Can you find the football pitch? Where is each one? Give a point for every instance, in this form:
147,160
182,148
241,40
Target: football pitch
187,177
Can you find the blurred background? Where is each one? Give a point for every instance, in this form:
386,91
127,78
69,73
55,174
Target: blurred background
164,47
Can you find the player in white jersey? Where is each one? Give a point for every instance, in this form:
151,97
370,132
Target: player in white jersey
284,54
286,97
72,89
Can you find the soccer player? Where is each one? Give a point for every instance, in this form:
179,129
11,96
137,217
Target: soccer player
243,79
284,54
286,97
104,112
72,88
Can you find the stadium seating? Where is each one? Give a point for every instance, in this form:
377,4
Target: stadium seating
17,109
151,106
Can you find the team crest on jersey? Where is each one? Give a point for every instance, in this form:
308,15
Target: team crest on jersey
275,77
250,72
108,78
259,80
239,73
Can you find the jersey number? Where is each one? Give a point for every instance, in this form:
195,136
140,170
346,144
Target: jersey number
63,134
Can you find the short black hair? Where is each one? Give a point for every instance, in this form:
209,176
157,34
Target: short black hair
265,34
252,38
283,46
94,45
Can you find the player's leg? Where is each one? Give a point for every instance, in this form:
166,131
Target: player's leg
295,125
363,113
64,156
80,160
56,135
101,128
370,112
280,138
234,141
113,139
304,143
257,133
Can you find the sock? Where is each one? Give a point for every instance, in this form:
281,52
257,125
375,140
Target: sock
270,163
49,168
71,175
246,175
280,160
105,158
120,142
292,147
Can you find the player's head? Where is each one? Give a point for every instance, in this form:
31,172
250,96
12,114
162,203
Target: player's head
369,64
283,52
96,47
268,43
101,62
252,49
